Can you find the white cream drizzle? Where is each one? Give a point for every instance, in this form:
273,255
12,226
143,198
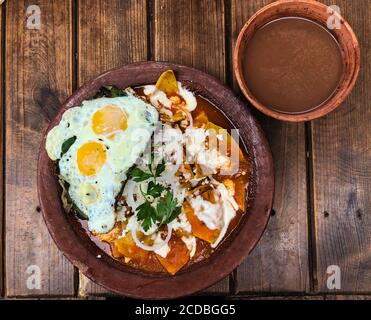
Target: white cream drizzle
158,97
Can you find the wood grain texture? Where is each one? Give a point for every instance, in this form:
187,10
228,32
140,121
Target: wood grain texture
347,297
342,172
38,78
279,263
192,32
110,34
88,288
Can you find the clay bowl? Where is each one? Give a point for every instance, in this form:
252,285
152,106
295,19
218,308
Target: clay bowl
73,241
319,13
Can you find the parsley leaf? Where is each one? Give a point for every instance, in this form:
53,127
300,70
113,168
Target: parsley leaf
138,175
155,189
167,209
160,168
147,214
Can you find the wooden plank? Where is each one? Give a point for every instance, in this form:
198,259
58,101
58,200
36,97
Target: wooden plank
342,172
279,263
38,78
348,297
192,32
2,51
111,33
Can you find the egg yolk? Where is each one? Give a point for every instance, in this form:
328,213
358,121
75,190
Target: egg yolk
109,120
90,158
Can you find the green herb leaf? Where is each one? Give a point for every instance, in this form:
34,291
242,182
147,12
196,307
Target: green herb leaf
174,214
160,168
110,92
67,145
167,209
147,214
138,175
155,189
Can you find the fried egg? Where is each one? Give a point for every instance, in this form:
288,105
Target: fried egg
109,135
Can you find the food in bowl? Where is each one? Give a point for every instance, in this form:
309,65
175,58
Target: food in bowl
154,173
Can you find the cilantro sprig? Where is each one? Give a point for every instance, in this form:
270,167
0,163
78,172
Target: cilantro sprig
110,92
154,189
139,175
147,214
164,212
167,209
158,207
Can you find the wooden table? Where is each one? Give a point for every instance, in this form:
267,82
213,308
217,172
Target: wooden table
322,206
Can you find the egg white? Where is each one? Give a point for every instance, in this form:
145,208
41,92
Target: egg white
95,195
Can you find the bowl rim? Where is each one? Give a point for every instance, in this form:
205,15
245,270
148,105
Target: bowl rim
146,286
330,104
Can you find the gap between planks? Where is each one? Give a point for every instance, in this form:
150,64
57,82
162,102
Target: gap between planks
2,149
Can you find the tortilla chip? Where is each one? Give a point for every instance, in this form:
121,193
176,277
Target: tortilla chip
167,82
177,257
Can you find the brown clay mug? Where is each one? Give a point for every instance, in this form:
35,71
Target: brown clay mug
319,13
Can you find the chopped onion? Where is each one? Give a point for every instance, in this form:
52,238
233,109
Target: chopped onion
130,185
150,248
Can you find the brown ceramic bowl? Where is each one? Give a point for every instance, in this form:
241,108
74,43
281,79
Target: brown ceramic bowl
319,13
118,278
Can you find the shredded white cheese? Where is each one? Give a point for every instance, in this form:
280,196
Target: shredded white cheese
211,161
